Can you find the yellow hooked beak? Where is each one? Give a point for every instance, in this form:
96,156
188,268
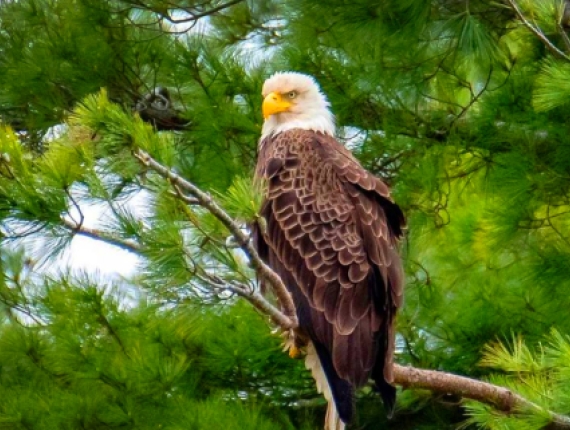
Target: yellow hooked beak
273,104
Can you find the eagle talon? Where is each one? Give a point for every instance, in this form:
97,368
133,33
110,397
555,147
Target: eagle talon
293,344
295,352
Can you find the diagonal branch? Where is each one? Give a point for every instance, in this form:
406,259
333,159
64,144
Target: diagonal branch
243,239
537,32
209,12
93,233
251,295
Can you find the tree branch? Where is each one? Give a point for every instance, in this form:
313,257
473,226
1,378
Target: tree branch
127,245
197,16
537,32
251,295
243,239
194,15
501,398
408,377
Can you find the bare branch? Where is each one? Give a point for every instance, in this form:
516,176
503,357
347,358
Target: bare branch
77,207
186,199
127,245
484,392
251,295
194,14
243,239
474,97
537,32
197,16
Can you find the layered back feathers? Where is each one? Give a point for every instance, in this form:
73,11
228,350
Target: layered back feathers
331,234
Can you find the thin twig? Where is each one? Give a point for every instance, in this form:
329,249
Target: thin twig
102,319
127,245
251,295
537,32
474,98
197,16
243,239
76,206
551,224
186,199
194,16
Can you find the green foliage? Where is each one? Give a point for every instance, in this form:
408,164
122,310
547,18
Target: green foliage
546,14
484,417
94,362
538,374
457,105
475,40
516,359
243,199
552,87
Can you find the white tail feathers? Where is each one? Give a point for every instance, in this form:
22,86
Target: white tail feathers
312,362
332,420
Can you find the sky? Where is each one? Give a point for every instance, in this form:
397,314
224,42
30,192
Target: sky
95,257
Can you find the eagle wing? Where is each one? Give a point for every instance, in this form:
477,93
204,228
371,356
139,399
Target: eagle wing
331,231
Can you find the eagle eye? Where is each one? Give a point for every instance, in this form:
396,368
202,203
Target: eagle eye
292,94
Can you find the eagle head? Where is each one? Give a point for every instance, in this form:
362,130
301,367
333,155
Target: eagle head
294,100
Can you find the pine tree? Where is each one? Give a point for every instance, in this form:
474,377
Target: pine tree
461,106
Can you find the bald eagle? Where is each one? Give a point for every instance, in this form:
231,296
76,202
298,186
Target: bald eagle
330,231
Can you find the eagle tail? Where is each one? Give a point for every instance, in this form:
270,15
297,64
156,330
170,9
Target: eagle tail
332,420
337,392
382,373
388,394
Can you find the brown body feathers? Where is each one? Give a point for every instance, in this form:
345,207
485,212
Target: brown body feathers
331,233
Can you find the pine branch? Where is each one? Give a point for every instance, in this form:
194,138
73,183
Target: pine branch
194,15
501,398
102,319
243,239
93,233
537,31
197,16
408,377
251,295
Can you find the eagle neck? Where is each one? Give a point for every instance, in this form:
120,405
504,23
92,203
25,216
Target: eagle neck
275,124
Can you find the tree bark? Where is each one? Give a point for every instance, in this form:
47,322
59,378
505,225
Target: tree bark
501,398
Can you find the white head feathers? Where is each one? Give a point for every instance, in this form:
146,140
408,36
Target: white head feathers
309,107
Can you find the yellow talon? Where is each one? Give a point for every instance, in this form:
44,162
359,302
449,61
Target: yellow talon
294,352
